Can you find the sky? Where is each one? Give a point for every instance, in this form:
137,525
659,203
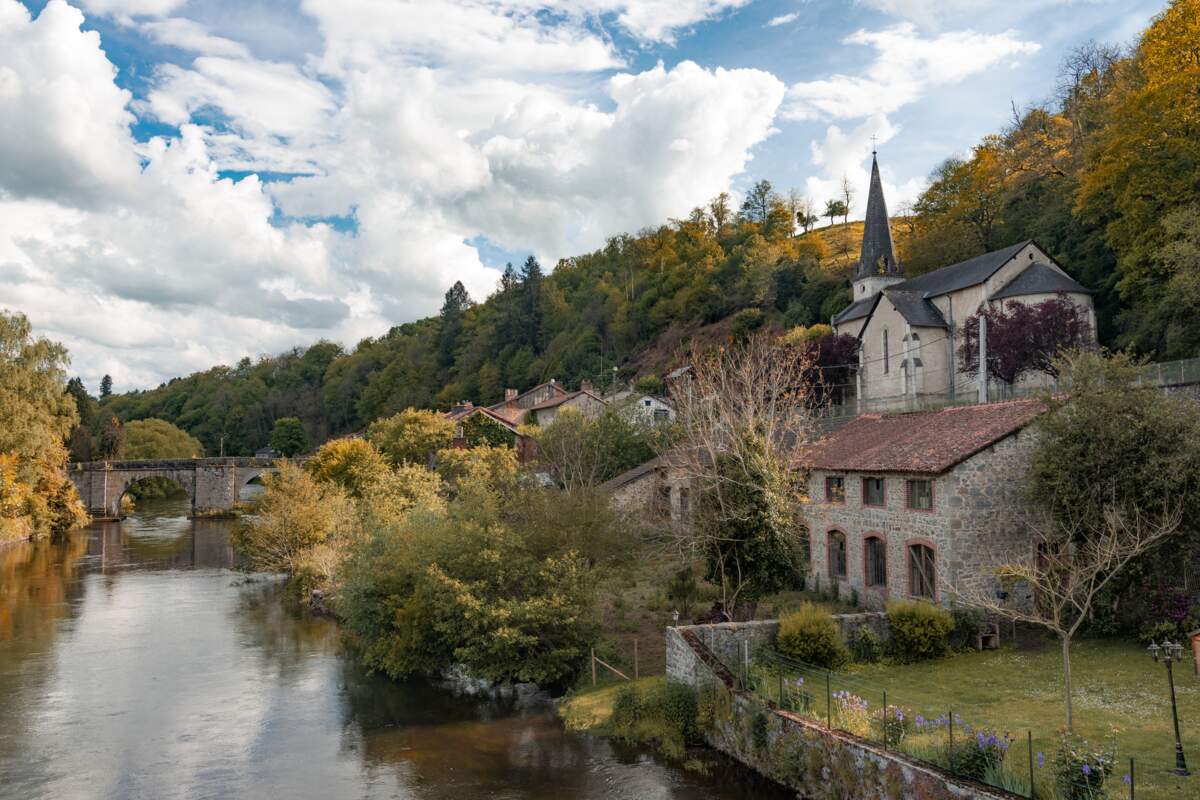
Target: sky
185,183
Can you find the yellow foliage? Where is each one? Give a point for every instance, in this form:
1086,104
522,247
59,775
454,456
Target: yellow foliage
411,436
494,468
389,500
352,464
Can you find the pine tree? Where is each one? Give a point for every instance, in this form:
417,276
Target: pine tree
454,307
106,386
531,304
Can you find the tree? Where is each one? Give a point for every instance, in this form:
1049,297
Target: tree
37,414
112,438
740,415
756,207
1025,338
105,386
718,208
531,304
582,452
454,308
288,437
835,208
353,465
1066,573
413,436
847,198
1111,441
157,438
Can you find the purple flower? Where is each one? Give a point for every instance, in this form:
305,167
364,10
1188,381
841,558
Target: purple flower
1087,770
899,715
1128,780
920,721
1041,761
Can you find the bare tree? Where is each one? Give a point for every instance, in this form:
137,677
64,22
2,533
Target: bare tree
741,414
1066,572
847,198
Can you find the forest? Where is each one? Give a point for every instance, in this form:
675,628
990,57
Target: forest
1104,174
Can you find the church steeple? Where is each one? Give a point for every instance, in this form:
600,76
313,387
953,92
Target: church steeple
878,254
877,262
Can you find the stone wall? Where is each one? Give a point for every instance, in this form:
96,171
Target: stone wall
818,764
977,517
212,484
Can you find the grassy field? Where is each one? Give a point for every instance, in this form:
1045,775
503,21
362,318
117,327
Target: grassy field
1117,685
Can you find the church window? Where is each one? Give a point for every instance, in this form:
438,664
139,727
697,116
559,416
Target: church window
885,352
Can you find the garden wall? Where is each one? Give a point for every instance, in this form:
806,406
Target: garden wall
819,764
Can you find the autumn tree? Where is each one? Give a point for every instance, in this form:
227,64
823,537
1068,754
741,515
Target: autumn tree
411,437
157,438
1024,338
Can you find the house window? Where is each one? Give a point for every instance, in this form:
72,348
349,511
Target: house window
646,402
664,500
875,561
922,571
662,413
835,489
873,492
885,352
837,554
685,502
920,494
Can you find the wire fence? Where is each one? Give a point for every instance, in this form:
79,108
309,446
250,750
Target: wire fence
952,736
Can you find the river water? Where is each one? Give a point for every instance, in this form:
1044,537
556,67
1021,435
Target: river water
135,663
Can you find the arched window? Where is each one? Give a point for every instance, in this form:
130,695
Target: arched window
922,571
875,561
837,554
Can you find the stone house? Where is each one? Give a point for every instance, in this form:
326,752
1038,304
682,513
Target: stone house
656,490
908,327
918,504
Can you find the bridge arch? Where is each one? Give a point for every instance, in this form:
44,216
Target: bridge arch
213,484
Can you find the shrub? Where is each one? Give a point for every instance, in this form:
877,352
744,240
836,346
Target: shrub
1080,769
865,645
919,630
897,723
968,623
810,635
665,714
979,753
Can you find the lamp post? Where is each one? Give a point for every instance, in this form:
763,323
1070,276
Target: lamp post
1171,652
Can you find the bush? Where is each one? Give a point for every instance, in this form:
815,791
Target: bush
919,630
978,754
1081,769
968,623
810,635
665,714
865,645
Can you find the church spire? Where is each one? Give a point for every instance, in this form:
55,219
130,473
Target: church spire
878,254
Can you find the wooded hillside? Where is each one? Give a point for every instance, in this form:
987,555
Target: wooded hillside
1105,175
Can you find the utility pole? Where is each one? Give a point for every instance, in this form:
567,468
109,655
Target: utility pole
983,373
222,445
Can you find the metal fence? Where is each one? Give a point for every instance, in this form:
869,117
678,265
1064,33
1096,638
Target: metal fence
951,736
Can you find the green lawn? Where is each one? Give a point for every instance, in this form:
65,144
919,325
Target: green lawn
1116,684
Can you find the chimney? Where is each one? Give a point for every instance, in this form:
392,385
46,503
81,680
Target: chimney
585,385
510,396
468,404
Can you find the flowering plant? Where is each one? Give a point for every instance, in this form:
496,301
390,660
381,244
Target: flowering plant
1081,768
850,713
978,752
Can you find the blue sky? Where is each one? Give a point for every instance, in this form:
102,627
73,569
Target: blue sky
183,183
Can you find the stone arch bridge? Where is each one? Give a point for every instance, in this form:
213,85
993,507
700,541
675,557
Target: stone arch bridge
213,484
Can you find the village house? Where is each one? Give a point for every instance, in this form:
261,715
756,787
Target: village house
648,408
908,328
918,504
657,490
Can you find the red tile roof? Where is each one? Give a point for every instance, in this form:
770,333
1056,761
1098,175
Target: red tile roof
928,442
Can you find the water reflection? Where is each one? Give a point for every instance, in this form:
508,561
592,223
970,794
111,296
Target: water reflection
135,663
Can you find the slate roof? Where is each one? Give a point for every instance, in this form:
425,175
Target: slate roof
629,476
916,309
558,400
856,310
924,442
1040,278
971,272
878,253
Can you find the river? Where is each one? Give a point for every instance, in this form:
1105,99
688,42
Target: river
136,663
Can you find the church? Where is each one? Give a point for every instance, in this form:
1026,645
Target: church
908,328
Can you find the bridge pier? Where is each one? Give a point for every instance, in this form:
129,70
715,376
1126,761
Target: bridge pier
213,484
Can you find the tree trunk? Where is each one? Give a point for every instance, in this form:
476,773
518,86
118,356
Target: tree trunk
1066,654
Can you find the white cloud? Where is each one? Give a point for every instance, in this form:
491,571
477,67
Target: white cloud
125,10
147,264
782,19
904,68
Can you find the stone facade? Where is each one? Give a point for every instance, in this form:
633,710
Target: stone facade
977,515
213,484
818,763
656,491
